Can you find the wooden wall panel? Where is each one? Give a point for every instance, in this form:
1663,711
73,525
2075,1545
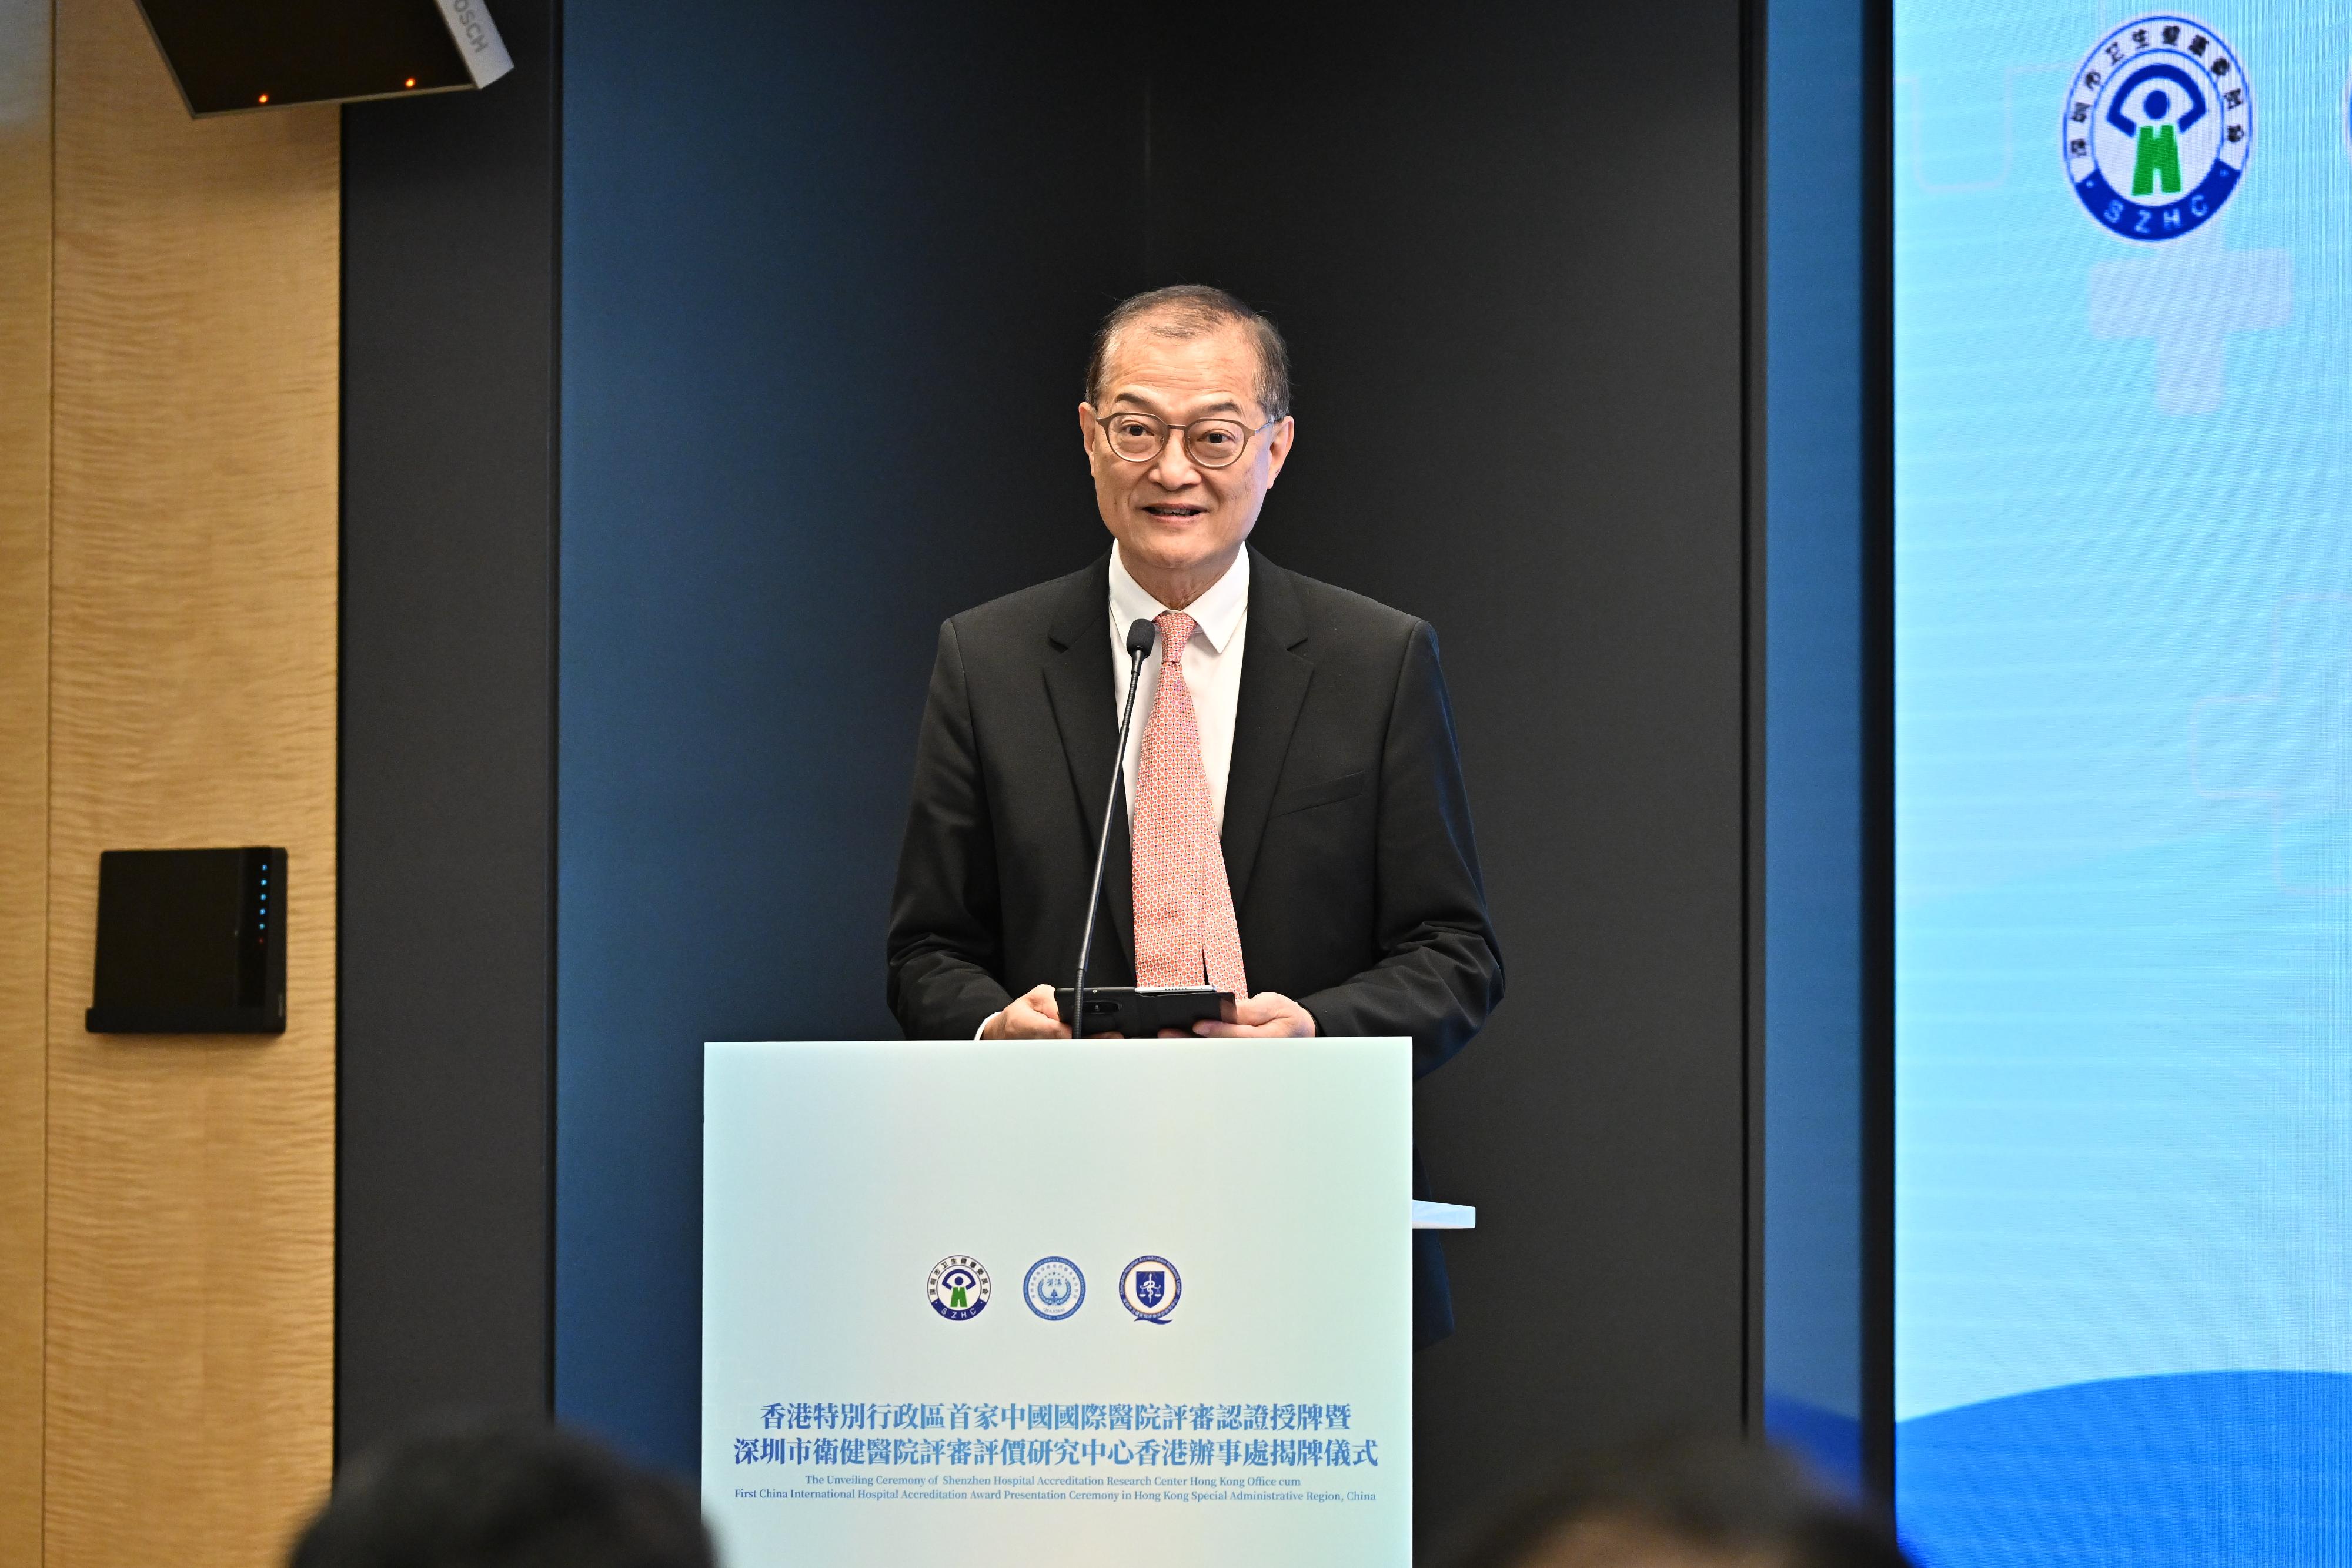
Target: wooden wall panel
24,753
190,1182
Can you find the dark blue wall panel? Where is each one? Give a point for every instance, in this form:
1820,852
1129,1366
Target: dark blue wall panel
827,286
1816,767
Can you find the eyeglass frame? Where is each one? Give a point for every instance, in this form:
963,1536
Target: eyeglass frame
1162,449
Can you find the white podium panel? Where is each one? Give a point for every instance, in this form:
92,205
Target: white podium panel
1145,1303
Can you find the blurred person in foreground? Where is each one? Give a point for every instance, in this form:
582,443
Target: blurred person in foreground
1683,1503
503,1494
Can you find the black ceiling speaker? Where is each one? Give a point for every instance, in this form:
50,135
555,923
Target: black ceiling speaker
230,55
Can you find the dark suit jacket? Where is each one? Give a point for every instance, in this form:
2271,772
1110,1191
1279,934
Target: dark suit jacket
1347,834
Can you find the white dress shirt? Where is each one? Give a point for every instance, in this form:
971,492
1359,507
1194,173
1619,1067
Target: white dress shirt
1212,669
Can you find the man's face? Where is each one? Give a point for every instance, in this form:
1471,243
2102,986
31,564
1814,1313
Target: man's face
1170,514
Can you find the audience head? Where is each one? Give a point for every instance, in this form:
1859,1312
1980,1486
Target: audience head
505,1494
1684,1503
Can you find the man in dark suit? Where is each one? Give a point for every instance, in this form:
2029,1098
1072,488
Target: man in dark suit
1295,831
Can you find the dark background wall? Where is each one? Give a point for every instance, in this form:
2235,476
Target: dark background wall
444,1187
1513,239
828,274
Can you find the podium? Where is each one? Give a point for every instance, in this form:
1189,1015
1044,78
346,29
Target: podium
1144,1302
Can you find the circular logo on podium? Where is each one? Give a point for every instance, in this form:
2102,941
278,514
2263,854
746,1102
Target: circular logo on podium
959,1288
1054,1288
2157,126
1149,1288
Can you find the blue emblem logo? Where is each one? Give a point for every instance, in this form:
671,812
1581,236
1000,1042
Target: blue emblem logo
2157,126
1054,1288
959,1288
1150,1288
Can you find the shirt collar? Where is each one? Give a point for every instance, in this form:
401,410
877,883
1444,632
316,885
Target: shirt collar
1218,613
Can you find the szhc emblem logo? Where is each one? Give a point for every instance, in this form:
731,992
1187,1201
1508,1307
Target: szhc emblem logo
2156,127
959,1288
1149,1288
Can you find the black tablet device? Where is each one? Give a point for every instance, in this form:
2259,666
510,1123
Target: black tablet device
190,942
1141,1012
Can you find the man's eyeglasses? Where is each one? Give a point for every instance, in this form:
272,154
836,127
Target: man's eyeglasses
1209,443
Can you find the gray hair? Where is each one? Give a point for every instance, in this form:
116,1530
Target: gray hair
1191,311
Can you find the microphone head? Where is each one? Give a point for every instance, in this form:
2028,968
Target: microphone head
1139,636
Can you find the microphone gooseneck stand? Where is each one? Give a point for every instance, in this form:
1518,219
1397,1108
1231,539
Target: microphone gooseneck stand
1138,648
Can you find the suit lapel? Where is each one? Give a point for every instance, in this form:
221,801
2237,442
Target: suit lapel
1274,689
1085,698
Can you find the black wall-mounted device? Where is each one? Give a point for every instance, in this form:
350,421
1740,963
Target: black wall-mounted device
190,942
264,54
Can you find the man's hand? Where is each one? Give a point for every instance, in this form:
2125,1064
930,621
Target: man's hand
1034,1014
1031,1016
1268,1014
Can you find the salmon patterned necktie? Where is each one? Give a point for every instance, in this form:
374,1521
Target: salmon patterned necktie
1184,911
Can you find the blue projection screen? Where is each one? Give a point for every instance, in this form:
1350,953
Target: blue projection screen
2123,381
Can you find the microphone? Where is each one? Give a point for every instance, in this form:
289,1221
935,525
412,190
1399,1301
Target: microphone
1138,648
